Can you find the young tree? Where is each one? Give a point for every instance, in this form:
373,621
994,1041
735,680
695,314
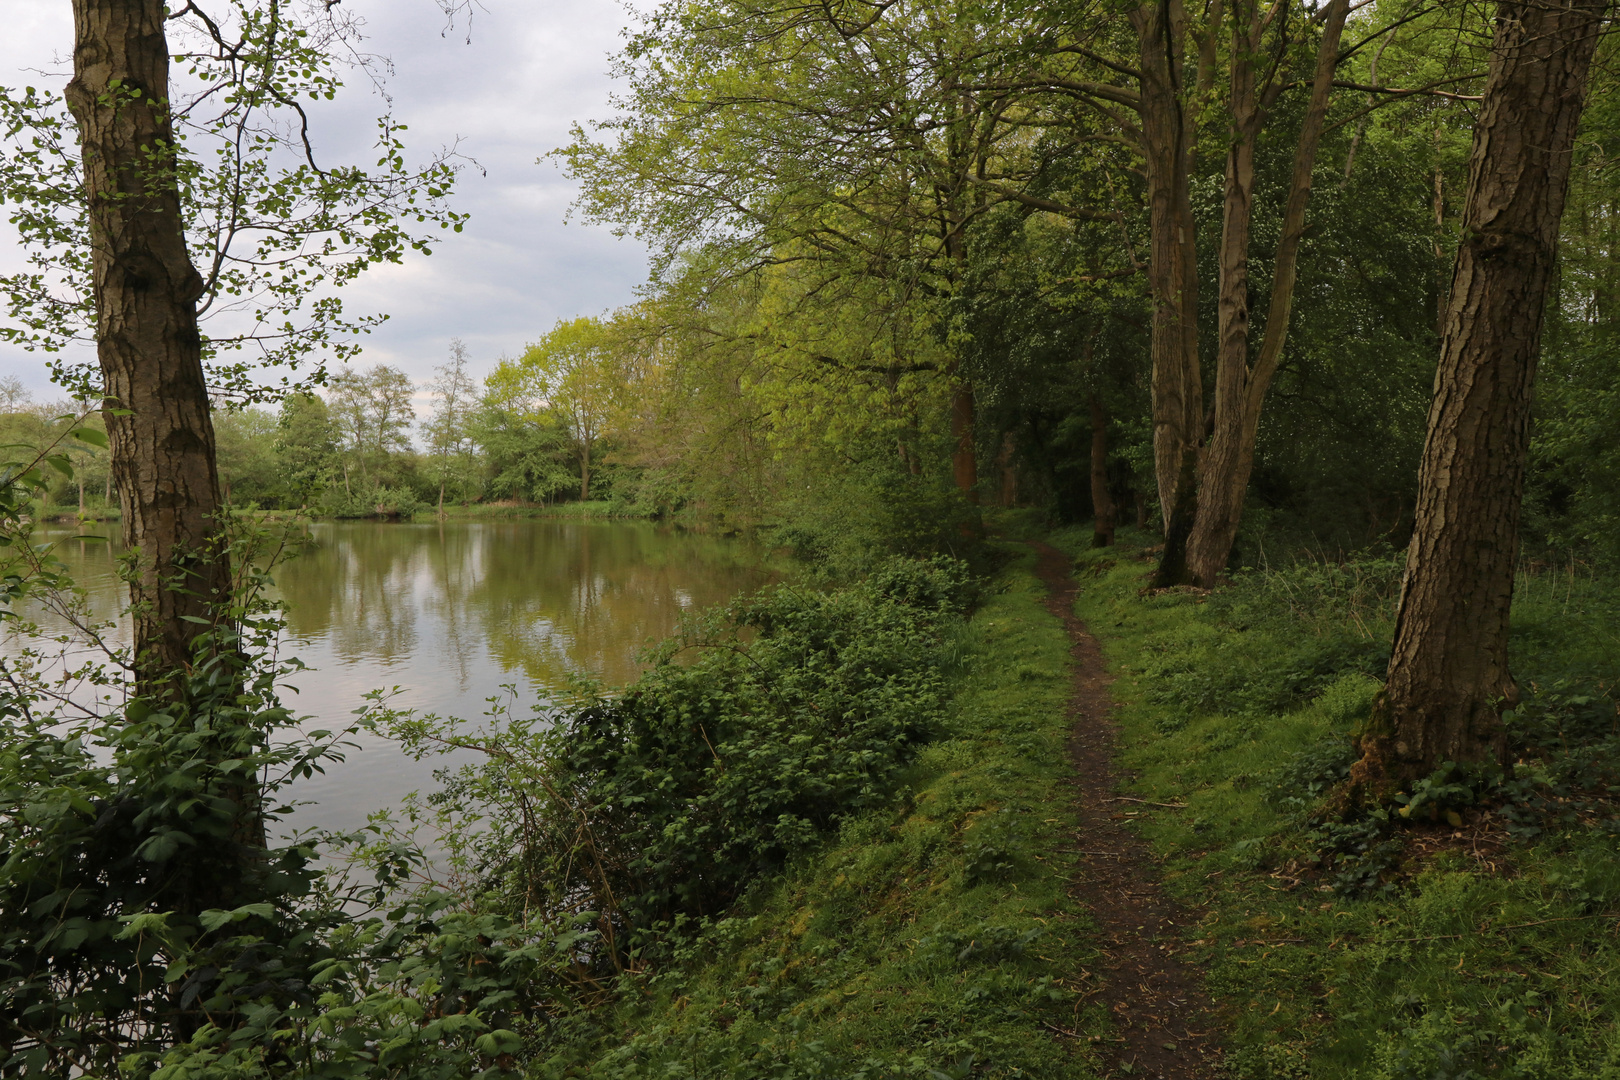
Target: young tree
449,430
1448,674
372,413
573,373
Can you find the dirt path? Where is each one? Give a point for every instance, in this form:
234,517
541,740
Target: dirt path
1164,1017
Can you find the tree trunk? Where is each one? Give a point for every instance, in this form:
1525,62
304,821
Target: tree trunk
1178,404
1448,672
145,291
1008,497
1439,207
584,470
1104,514
441,496
965,455
1240,389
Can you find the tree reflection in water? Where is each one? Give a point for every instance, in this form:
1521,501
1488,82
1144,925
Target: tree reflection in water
450,612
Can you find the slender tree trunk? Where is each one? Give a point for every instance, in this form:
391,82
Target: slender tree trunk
145,292
441,497
1008,496
1104,513
964,456
1448,672
584,470
1240,389
1168,145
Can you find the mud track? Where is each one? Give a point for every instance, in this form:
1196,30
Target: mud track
1165,1024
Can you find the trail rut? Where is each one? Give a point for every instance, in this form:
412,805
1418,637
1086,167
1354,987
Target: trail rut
1164,1019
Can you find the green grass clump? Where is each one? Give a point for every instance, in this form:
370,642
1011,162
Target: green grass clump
1409,954
933,937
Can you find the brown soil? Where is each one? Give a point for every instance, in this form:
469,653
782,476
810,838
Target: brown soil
1164,1019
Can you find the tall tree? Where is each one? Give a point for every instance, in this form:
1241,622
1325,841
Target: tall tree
145,291
855,147
449,429
372,412
572,373
306,445
1448,674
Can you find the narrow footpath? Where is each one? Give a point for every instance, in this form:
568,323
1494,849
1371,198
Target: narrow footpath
1164,1017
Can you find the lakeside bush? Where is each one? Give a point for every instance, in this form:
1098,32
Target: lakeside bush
148,931
757,731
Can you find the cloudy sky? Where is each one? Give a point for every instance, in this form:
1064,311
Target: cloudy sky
529,71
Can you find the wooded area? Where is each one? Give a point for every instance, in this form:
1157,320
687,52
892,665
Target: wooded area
1281,284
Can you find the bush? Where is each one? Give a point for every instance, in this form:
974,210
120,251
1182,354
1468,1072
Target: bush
660,807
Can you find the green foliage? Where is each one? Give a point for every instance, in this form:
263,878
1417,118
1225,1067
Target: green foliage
369,499
847,524
1410,944
665,803
271,229
930,936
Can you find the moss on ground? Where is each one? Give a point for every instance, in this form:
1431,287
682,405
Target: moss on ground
935,939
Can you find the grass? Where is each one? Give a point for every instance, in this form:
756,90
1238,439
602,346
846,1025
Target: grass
933,939
1490,950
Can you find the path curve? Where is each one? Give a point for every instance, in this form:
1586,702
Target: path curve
1163,1017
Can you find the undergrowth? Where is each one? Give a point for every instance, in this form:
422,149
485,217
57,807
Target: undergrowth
1473,932
833,849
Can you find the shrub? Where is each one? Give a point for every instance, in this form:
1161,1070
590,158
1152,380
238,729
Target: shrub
658,808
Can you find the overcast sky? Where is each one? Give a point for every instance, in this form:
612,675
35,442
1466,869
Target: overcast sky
530,70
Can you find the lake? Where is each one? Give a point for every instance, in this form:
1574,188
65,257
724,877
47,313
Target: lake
450,612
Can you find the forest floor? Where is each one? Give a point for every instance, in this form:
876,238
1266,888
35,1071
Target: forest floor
1478,937
1164,1018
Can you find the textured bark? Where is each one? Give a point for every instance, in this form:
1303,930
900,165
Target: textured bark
145,293
1167,137
1448,673
1240,388
1104,514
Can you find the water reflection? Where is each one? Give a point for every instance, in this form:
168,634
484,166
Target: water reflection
451,612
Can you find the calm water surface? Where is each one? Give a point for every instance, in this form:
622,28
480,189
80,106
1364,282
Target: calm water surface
449,613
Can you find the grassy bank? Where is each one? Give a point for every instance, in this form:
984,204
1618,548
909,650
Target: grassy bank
932,938
1464,941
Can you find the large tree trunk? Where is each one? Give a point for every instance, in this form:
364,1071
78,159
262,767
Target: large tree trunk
1168,146
145,292
1240,388
1448,673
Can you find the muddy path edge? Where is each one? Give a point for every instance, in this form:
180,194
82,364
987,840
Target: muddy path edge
1165,1021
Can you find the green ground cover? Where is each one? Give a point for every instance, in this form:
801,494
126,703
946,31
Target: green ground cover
1462,941
932,938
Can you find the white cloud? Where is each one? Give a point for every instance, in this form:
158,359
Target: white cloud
530,71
